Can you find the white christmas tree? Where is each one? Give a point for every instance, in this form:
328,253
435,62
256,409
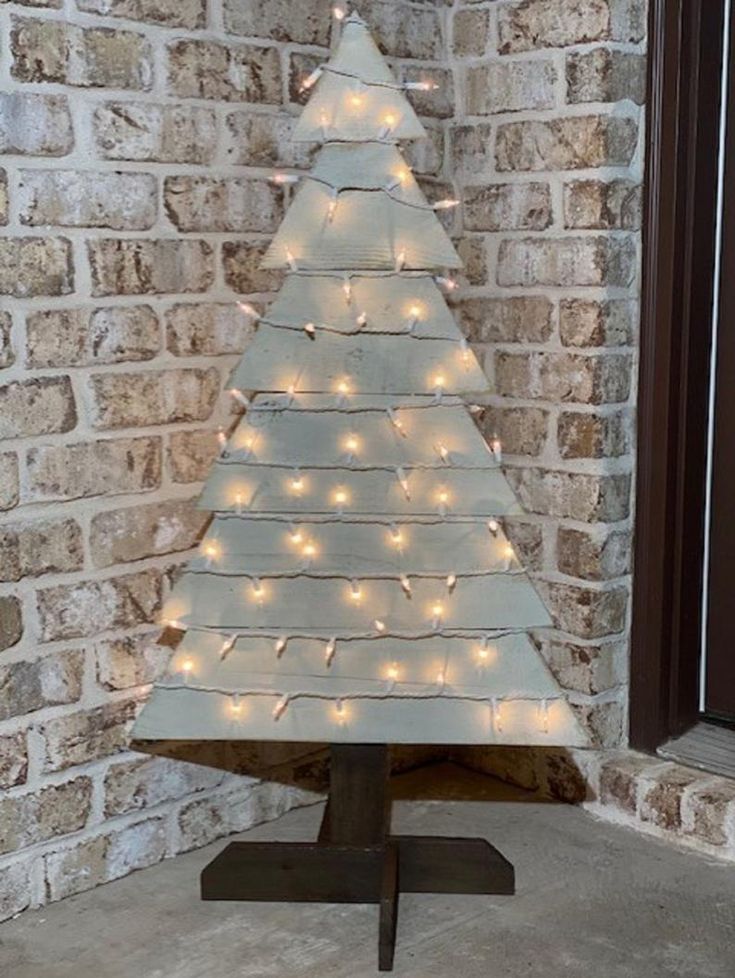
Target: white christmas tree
356,584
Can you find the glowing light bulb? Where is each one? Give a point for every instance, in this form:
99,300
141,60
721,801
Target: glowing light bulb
389,124
347,288
221,438
310,80
440,679
496,715
340,712
443,205
238,503
187,667
310,330
258,590
211,550
438,381
406,585
329,650
290,259
296,535
400,259
280,708
355,592
324,121
493,526
442,498
497,449
235,706
343,387
392,674
352,444
396,422
413,317
437,611
543,711
281,179
421,86
403,482
227,646
248,310
508,555
396,536
341,497
443,453
451,582
297,482
280,645
239,397
446,283
361,320
332,209
483,654
465,353
379,625
356,100
338,13
309,550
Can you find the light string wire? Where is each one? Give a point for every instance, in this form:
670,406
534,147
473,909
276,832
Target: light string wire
388,191
471,634
362,331
336,576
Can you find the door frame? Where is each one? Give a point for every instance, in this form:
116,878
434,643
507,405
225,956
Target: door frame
682,124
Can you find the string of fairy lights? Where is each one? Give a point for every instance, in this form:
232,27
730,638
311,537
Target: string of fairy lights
303,544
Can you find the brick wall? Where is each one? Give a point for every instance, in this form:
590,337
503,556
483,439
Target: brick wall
138,137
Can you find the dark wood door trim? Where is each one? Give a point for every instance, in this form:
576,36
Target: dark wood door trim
685,39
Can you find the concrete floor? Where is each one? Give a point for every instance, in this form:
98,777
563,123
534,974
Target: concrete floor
593,901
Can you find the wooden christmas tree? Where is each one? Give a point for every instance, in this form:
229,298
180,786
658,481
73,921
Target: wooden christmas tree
356,584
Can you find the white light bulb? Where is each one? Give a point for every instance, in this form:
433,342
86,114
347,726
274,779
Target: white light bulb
257,589
227,647
329,650
413,317
238,503
332,209
392,675
221,438
497,449
280,645
544,716
239,397
497,715
361,320
396,536
211,550
341,497
400,259
443,205
235,705
311,79
451,582
443,453
440,679
297,482
296,534
309,551
437,611
281,179
339,13
355,592
341,713
379,625
187,667
352,444
280,708
248,310
406,585
310,330
403,481
396,422
290,259
347,288
493,526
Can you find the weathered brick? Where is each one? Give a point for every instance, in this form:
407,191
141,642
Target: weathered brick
613,205
40,547
51,812
583,435
470,32
37,407
522,430
439,102
144,266
9,487
404,31
95,57
190,455
510,86
243,274
604,721
74,198
572,143
595,554
226,72
88,607
307,22
121,535
567,261
589,669
29,686
256,139
143,784
519,319
35,125
619,781
472,149
473,253
661,801
169,13
605,75
86,337
11,621
199,203
134,660
13,759
563,376
300,65
593,322
585,612
146,132
15,889
154,397
209,818
557,23
507,206
3,197
707,811
575,495
94,468
7,353
104,858
528,542
87,735
194,329
35,266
